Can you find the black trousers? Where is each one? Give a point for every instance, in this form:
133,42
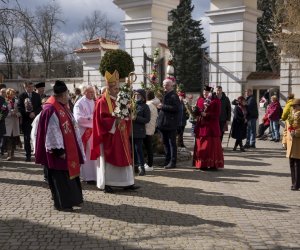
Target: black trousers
222,125
26,127
169,141
295,172
149,149
238,143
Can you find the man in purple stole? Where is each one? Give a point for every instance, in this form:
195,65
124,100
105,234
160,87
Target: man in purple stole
59,148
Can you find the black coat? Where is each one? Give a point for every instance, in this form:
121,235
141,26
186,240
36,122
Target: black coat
239,126
225,114
142,117
252,109
168,114
2,118
36,103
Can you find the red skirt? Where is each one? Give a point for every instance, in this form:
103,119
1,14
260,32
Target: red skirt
208,153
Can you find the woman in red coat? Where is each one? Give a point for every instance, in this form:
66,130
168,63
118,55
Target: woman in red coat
208,152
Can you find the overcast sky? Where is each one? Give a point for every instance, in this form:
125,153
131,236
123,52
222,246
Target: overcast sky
74,11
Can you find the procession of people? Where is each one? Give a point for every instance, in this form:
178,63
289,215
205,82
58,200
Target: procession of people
83,140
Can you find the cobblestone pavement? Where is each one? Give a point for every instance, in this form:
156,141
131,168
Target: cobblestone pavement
248,205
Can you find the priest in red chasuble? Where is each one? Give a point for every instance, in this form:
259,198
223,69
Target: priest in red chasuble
208,153
111,145
59,148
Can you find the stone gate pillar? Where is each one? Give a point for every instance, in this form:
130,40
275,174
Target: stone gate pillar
146,25
233,29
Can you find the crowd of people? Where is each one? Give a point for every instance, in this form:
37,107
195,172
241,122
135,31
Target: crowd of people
80,138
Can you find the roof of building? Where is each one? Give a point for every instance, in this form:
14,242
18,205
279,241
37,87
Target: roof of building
100,40
90,50
263,76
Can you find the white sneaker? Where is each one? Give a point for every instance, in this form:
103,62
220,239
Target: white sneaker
147,168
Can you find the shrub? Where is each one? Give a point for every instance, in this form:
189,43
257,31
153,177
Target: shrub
118,60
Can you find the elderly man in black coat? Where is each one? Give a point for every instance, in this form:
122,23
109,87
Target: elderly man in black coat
29,105
167,122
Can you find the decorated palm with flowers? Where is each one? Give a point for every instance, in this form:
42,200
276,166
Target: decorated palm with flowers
294,122
3,111
123,102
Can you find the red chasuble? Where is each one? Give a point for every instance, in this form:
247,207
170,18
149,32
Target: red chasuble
116,146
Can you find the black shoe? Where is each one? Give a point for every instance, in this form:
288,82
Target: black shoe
165,164
170,165
67,209
136,169
246,146
252,146
277,140
142,171
108,189
294,188
202,169
28,159
242,149
234,149
91,182
131,187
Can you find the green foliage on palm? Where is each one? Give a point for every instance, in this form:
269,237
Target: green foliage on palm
118,60
185,39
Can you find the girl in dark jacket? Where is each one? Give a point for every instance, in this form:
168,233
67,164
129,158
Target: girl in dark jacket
139,130
239,123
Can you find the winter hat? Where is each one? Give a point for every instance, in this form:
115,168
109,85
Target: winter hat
59,87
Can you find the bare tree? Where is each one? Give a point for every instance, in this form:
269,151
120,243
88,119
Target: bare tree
92,26
287,20
98,25
44,26
25,54
9,29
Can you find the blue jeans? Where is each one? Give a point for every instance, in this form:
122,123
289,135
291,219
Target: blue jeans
275,129
169,141
251,132
138,152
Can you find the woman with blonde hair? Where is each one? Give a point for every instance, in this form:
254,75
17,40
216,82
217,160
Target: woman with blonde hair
11,123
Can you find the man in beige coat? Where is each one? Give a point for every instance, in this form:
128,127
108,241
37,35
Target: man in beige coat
291,141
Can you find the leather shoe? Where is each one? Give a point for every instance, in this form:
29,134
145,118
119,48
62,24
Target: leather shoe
170,165
108,189
294,188
131,187
91,182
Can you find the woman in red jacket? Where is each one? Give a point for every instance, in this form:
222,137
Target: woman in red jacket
208,153
273,112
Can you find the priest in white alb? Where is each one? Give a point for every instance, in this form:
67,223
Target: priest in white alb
83,113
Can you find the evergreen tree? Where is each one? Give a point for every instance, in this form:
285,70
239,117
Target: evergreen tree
185,39
267,56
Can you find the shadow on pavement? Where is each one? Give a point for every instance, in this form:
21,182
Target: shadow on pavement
146,215
13,167
193,196
232,175
19,234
